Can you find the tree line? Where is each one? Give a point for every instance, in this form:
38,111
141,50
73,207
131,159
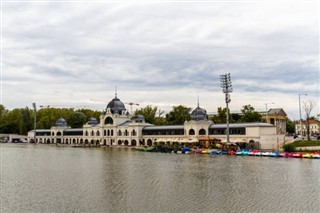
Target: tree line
21,120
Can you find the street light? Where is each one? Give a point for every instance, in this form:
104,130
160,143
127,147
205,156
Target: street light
35,120
131,103
267,111
300,112
226,85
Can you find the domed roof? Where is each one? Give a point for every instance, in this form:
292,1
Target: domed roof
92,121
116,106
199,114
61,122
139,118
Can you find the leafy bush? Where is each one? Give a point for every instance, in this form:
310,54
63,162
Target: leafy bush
289,147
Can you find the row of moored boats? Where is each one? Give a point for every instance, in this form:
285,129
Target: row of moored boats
246,152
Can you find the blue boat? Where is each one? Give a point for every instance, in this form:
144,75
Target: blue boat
274,154
214,151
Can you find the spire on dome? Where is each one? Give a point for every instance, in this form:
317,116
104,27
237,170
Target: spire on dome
116,91
198,101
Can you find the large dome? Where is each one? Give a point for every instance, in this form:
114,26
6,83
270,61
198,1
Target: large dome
116,106
199,114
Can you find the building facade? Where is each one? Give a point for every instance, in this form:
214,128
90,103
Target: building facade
118,128
278,118
302,129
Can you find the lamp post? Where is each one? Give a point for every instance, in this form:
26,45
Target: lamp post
226,85
131,103
300,112
35,120
267,111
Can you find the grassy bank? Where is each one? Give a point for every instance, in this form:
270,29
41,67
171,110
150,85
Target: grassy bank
291,147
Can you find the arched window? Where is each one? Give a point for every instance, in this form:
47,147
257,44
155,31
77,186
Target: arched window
149,142
92,133
126,133
191,132
134,133
98,133
108,132
105,132
133,143
202,132
111,132
119,133
108,120
58,133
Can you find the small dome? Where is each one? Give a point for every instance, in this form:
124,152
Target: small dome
92,121
139,119
199,114
61,122
116,106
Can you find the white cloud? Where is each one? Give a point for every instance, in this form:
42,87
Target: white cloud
161,54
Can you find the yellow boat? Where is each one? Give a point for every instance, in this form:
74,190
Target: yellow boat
205,151
307,155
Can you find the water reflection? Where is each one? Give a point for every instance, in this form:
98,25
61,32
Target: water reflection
46,178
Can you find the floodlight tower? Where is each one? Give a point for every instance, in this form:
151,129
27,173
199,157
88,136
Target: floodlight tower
226,85
35,120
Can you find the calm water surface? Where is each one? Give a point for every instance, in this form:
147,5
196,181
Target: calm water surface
47,178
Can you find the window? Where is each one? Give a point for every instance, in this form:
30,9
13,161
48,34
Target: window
191,132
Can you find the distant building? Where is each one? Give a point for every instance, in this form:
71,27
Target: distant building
12,138
302,130
278,118
118,128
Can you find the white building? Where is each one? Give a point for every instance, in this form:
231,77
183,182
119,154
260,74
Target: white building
118,128
302,129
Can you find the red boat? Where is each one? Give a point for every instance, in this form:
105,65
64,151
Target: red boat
286,154
297,155
231,152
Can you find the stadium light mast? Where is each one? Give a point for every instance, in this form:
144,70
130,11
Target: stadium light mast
35,120
226,85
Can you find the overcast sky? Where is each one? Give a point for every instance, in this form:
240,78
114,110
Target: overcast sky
74,54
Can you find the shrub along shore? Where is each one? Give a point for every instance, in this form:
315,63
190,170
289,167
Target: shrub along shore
302,146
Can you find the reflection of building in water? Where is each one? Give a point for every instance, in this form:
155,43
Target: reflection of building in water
117,127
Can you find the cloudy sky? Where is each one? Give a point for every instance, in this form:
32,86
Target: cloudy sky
74,53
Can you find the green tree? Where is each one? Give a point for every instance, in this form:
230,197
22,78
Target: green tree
235,118
11,122
220,117
178,115
290,125
249,114
3,111
90,113
149,113
26,123
76,119
160,119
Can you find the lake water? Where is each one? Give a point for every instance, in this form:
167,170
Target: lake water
48,178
